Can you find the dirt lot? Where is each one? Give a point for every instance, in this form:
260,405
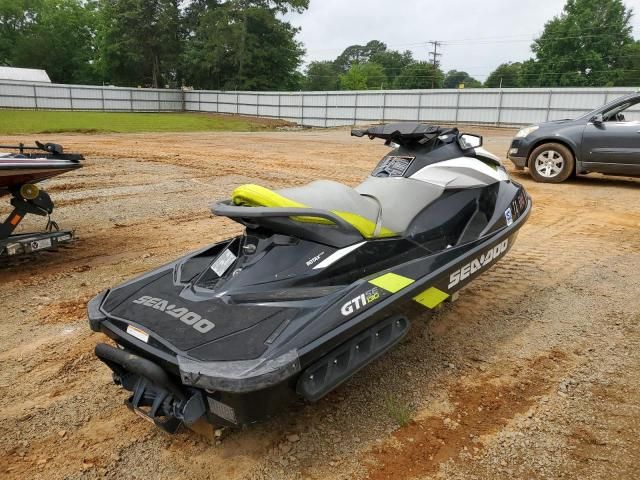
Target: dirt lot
532,373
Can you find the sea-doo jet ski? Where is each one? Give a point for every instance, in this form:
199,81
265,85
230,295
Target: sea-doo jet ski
20,171
300,301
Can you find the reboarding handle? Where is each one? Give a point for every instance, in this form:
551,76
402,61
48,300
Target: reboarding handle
226,209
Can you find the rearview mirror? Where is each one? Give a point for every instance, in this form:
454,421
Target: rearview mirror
468,140
597,119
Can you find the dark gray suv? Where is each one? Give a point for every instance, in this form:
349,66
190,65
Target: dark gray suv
601,141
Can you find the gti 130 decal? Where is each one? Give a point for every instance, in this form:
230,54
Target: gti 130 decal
192,319
477,263
360,301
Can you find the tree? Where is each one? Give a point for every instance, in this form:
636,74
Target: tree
507,75
631,58
16,17
358,54
419,75
584,46
242,45
60,40
454,78
54,35
392,61
321,76
139,42
363,76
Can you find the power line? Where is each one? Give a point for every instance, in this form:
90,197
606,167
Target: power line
505,39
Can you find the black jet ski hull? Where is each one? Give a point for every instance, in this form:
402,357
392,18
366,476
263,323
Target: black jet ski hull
243,392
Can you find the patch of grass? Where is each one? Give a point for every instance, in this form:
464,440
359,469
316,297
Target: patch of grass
50,121
399,412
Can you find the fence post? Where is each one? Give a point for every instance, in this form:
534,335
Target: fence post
384,104
457,104
549,105
499,109
355,110
158,92
35,97
257,104
237,103
131,100
279,103
217,102
419,106
70,98
102,97
326,109
302,109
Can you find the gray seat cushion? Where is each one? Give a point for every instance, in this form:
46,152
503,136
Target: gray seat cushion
390,202
334,196
401,198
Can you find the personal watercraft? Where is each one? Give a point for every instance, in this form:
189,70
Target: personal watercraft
300,301
20,171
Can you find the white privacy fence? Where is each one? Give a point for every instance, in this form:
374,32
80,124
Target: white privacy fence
494,106
484,106
84,97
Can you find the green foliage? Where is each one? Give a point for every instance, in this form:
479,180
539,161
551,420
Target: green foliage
363,76
55,35
584,46
507,75
630,77
398,411
454,78
241,45
419,75
28,121
139,42
392,61
358,54
16,17
321,76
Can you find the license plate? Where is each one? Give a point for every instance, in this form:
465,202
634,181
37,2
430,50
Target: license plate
40,244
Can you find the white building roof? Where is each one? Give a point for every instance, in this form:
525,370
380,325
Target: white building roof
24,74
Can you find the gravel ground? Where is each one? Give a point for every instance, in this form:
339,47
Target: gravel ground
532,373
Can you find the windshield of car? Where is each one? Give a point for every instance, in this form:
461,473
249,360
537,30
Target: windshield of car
613,105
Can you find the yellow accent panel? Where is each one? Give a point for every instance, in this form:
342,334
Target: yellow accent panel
251,195
431,297
391,282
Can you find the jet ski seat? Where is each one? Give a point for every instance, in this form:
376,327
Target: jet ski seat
377,208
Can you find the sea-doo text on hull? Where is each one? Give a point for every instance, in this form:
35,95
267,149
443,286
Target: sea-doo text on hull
19,173
299,302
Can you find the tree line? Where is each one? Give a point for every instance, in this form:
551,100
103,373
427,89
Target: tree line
247,45
212,44
589,45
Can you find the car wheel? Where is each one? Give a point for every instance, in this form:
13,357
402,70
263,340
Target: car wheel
551,163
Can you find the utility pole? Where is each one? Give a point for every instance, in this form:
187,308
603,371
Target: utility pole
434,59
